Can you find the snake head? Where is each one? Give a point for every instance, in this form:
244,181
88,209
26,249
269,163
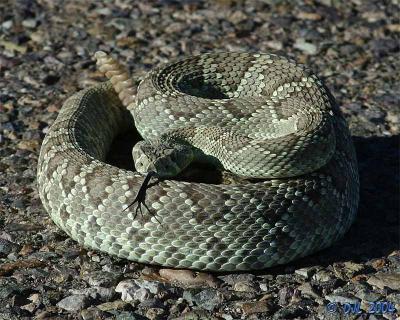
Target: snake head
165,159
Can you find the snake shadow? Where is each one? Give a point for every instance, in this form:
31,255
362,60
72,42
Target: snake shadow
375,232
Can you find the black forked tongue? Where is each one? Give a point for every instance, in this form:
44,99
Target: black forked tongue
141,195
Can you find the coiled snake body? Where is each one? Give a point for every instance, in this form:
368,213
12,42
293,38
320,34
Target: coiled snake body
260,116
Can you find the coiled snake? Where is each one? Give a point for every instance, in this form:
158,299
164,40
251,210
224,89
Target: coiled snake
259,116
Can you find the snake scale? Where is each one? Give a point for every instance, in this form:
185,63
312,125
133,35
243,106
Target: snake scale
260,116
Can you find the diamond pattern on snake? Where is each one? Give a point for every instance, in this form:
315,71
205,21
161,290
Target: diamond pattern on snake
257,116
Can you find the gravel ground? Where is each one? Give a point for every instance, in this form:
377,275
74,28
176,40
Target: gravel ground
46,50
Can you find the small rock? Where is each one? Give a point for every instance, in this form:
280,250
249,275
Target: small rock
231,279
26,249
9,287
142,294
374,115
394,298
102,278
348,49
208,299
347,270
264,287
237,17
341,299
394,259
394,27
150,303
189,278
306,47
92,314
36,301
98,293
31,145
309,16
254,307
6,247
307,289
200,315
368,295
113,305
305,272
29,23
378,264
353,108
20,264
62,274
373,16
127,288
276,45
382,280
285,295
393,117
140,289
291,312
74,303
128,315
30,307
323,276
153,286
244,286
104,11
382,47
7,24
154,313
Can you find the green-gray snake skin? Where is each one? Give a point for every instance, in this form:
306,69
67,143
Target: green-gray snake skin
260,115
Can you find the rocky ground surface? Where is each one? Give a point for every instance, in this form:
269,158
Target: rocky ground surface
46,49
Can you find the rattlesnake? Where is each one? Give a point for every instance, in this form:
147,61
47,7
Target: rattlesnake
261,116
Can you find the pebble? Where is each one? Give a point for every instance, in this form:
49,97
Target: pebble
6,247
308,290
305,272
374,115
102,278
127,288
74,303
368,295
208,299
243,286
306,47
154,313
255,307
285,295
291,312
29,23
189,278
92,314
341,299
97,293
7,24
323,276
113,305
309,16
382,280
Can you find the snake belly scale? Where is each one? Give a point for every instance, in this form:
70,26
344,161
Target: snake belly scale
258,115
